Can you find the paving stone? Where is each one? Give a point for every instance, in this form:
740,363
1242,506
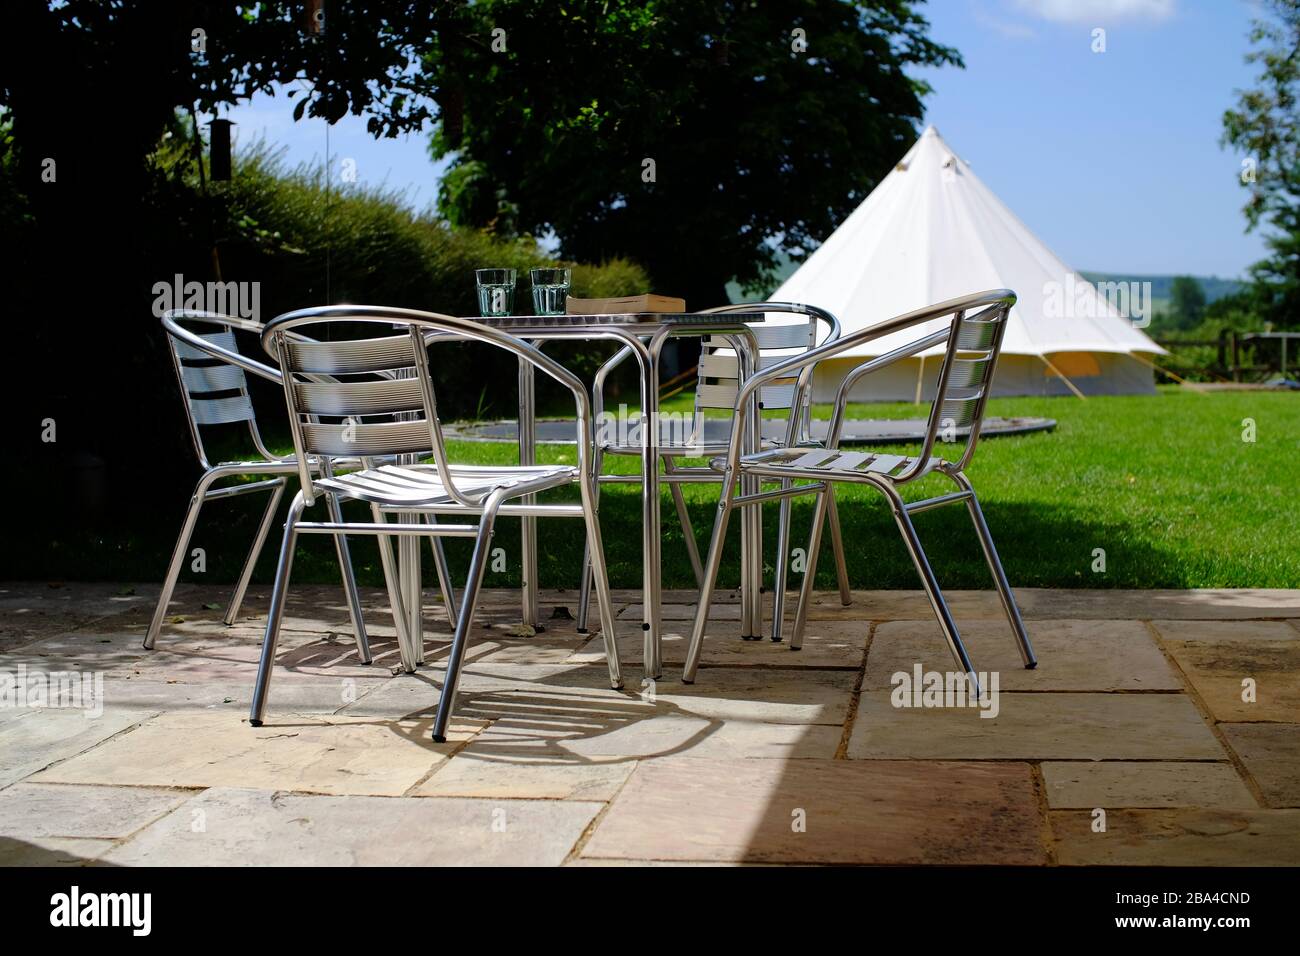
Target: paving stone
1062,726
40,810
702,737
1069,603
318,695
32,739
51,851
243,827
1113,784
1271,753
851,813
825,644
34,609
1217,668
1252,631
1072,655
336,755
1161,604
548,773
1179,837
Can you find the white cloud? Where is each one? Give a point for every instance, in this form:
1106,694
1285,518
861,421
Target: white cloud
1013,31
1097,11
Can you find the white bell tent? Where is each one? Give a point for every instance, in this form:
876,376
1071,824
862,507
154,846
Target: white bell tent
932,231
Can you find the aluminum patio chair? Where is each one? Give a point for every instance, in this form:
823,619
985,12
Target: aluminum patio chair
971,329
331,419
211,373
717,384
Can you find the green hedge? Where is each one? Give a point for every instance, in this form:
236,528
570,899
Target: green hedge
309,245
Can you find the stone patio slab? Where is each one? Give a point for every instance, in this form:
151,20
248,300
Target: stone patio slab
320,695
1271,753
1182,837
1073,655
335,755
246,827
1064,726
32,739
29,610
702,737
1144,784
39,810
1065,603
549,774
1251,631
823,812
825,644
1216,669
51,851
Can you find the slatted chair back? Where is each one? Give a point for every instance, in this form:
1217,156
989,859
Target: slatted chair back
358,397
719,380
214,389
965,381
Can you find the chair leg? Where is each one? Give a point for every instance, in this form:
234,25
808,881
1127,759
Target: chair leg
246,575
584,589
178,554
477,565
837,545
932,589
395,600
444,576
821,508
684,519
711,566
1009,606
604,599
276,612
349,581
782,565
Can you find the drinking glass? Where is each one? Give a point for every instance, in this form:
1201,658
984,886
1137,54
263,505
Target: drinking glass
496,291
550,290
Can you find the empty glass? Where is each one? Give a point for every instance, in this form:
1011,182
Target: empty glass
496,291
550,291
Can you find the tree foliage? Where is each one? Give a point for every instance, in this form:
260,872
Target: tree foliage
1186,302
1265,126
696,138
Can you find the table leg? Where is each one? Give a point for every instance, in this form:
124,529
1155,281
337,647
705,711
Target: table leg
531,615
408,549
652,587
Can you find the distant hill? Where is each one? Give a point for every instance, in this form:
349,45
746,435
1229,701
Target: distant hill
1215,288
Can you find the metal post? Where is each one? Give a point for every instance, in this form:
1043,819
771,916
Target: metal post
528,526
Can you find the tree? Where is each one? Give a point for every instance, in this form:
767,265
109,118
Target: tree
696,138
1186,302
1265,125
87,88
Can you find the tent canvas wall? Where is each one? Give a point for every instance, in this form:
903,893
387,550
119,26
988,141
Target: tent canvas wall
933,231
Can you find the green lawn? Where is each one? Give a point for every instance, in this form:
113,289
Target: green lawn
1164,484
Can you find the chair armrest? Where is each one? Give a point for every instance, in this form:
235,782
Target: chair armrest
1002,298
194,340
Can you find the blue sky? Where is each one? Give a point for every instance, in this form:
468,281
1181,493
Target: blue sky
1111,157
